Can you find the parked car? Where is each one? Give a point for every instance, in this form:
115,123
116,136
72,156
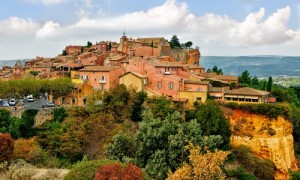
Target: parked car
48,104
30,98
12,102
5,103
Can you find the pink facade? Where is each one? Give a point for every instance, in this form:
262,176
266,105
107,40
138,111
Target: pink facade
101,77
145,51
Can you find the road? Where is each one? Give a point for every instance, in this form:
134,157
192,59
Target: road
37,104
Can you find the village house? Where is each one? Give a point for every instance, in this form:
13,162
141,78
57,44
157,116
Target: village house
246,95
73,50
101,77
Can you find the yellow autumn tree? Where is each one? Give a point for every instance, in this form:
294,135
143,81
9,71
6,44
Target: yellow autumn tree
202,166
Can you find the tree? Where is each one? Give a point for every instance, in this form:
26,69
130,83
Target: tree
137,107
34,73
188,44
4,120
89,44
245,78
270,83
161,142
174,43
255,82
212,120
109,46
201,166
26,126
64,52
27,149
6,147
122,147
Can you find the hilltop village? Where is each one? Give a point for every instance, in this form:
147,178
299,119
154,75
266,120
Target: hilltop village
148,64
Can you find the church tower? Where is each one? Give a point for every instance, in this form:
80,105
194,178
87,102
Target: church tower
123,47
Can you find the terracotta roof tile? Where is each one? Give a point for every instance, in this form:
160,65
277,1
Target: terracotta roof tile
247,91
99,68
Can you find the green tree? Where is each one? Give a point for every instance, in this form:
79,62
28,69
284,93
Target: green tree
89,44
188,44
34,73
255,82
245,78
109,46
137,107
212,120
26,126
174,43
122,148
64,52
270,83
161,142
4,120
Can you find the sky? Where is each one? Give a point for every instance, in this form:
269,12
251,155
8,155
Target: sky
30,28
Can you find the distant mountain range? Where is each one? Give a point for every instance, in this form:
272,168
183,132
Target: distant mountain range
261,66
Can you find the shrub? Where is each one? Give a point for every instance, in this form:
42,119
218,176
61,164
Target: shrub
261,168
6,147
86,170
27,149
117,171
269,110
21,170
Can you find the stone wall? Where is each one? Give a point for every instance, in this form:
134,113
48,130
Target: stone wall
43,115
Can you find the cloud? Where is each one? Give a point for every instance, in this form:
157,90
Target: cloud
46,2
50,29
17,26
215,34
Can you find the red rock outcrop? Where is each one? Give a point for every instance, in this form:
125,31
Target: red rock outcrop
267,138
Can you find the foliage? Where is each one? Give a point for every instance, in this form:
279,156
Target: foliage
6,147
269,110
270,83
121,147
285,95
255,82
26,126
241,174
20,88
60,114
21,171
201,166
161,142
261,168
216,70
4,120
189,44
295,175
245,78
212,120
137,107
174,43
89,44
27,149
161,106
117,171
86,170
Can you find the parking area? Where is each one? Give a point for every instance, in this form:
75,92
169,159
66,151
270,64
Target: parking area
20,104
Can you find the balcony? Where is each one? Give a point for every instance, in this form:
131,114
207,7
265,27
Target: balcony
167,73
102,81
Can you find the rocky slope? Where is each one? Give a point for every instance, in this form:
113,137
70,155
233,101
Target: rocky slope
267,138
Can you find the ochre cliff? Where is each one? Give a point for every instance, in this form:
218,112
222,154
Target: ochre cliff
267,138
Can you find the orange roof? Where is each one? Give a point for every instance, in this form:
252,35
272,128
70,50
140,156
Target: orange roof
99,68
247,91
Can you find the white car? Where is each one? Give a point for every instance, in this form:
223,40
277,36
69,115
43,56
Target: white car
30,98
5,103
12,102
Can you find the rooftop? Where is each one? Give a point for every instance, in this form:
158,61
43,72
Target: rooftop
99,68
247,91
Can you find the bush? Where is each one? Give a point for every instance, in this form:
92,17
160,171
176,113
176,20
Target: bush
261,168
6,147
241,174
269,110
27,149
117,171
21,170
86,170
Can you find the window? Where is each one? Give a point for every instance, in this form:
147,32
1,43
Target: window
73,101
199,89
84,101
102,78
170,85
198,99
159,85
